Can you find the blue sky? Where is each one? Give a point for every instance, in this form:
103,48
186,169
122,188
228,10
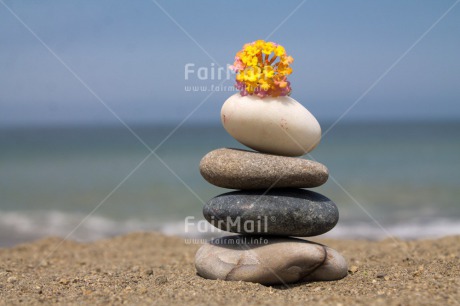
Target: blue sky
132,55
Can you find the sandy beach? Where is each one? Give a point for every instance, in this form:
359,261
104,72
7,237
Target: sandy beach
150,268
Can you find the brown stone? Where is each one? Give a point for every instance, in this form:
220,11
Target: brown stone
241,169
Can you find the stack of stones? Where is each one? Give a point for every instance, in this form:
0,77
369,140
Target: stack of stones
270,206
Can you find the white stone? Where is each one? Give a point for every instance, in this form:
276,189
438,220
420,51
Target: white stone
278,125
279,261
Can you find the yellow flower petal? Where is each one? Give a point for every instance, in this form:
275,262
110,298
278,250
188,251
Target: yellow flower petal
279,50
268,48
259,44
269,71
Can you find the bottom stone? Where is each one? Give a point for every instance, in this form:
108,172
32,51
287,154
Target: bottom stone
269,260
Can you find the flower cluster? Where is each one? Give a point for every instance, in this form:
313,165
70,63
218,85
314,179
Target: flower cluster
259,74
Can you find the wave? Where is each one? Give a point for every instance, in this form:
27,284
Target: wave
18,226
434,228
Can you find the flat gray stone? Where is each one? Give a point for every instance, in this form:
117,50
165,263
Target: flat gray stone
280,212
240,169
269,261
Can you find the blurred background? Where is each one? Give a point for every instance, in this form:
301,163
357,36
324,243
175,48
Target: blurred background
73,73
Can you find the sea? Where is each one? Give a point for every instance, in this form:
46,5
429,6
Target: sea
397,180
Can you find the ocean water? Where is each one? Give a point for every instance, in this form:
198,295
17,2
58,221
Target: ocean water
388,179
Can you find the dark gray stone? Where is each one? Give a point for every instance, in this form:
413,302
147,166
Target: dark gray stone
280,212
